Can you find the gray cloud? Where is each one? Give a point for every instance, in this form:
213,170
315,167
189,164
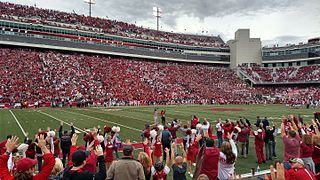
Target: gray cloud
283,40
132,10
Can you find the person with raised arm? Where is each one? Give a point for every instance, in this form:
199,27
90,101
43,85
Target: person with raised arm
65,142
179,164
26,167
228,156
291,141
79,159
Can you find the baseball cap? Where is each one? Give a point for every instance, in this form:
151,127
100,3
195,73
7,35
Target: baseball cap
79,156
127,150
25,164
296,160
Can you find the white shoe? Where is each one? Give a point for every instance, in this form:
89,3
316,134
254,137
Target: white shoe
194,164
191,175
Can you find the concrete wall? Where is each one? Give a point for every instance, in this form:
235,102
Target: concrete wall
244,49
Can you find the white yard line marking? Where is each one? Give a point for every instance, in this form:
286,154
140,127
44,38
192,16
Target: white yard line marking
60,121
105,112
102,120
24,133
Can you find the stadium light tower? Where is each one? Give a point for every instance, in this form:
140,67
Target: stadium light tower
157,12
90,2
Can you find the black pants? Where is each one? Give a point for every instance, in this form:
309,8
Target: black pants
317,167
247,147
65,155
164,146
39,159
163,119
185,144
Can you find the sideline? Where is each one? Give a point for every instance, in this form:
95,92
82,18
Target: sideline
102,120
39,111
24,133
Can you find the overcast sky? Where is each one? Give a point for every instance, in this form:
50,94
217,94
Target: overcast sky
274,21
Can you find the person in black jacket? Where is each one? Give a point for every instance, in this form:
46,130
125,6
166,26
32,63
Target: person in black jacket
268,142
65,139
75,172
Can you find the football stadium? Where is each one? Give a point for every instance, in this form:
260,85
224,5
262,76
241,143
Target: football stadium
85,97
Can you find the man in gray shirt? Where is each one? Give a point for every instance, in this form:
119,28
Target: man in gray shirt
127,167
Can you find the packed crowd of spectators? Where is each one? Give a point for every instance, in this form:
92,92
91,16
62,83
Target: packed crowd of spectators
36,15
52,76
283,74
29,75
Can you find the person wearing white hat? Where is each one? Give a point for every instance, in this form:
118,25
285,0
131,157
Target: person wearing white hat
298,171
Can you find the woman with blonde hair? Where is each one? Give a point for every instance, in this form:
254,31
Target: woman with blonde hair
57,171
306,151
228,156
145,159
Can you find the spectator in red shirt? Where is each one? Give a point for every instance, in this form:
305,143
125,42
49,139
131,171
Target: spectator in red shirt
227,128
207,160
194,122
242,139
316,155
291,143
306,151
3,145
298,171
25,167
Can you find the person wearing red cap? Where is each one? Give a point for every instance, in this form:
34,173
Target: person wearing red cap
25,167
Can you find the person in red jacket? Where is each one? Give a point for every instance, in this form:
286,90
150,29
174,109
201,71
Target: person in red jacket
259,142
25,167
192,153
108,158
227,128
194,122
3,145
242,140
91,159
298,171
316,153
207,160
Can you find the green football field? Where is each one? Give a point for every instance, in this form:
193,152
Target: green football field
132,119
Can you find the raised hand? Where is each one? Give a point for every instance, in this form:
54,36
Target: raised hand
145,142
229,136
198,138
41,141
166,150
98,151
173,145
91,146
61,123
74,139
71,124
12,144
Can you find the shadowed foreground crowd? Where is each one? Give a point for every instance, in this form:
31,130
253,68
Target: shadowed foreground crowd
62,157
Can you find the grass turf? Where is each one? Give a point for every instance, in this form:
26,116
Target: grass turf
132,119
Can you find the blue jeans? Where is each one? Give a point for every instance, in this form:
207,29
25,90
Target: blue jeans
219,134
